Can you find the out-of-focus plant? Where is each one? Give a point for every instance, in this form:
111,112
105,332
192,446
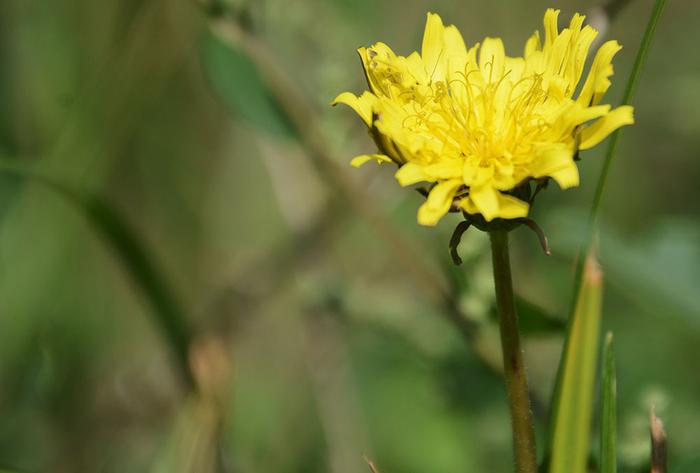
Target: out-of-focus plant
132,253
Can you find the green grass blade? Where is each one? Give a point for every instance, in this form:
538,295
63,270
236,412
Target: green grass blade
630,90
131,253
572,425
608,410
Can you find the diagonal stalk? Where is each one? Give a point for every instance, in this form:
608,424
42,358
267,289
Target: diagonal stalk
524,449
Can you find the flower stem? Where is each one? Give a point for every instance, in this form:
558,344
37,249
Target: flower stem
524,449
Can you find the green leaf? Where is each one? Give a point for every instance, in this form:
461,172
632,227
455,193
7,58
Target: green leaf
237,82
572,417
608,410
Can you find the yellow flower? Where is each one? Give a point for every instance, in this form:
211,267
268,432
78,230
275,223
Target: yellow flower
480,125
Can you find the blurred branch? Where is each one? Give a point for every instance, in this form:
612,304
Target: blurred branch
658,444
134,257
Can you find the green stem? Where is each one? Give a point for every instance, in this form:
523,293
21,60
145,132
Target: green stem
524,448
630,89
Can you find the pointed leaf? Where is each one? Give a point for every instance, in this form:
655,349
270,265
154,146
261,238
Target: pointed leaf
572,419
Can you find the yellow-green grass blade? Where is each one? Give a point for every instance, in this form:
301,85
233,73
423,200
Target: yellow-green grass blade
572,424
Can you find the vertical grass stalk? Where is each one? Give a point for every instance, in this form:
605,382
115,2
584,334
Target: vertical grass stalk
524,448
630,90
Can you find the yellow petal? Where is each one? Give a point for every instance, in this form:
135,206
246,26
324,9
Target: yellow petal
552,160
362,104
468,206
475,175
601,128
416,68
492,204
367,55
514,67
447,169
454,43
580,44
358,161
551,27
492,59
566,177
533,44
578,114
511,207
597,82
438,202
433,44
559,52
410,173
485,199
364,57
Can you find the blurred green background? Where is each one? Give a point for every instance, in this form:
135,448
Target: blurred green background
313,342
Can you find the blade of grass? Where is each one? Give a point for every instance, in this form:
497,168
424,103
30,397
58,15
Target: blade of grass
571,435
132,254
630,90
608,410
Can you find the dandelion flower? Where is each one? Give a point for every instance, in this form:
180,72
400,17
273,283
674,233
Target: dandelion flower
481,127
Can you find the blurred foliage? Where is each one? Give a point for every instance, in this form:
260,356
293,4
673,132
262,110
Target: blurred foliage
330,349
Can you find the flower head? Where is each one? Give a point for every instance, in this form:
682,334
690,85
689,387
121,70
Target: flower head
481,126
